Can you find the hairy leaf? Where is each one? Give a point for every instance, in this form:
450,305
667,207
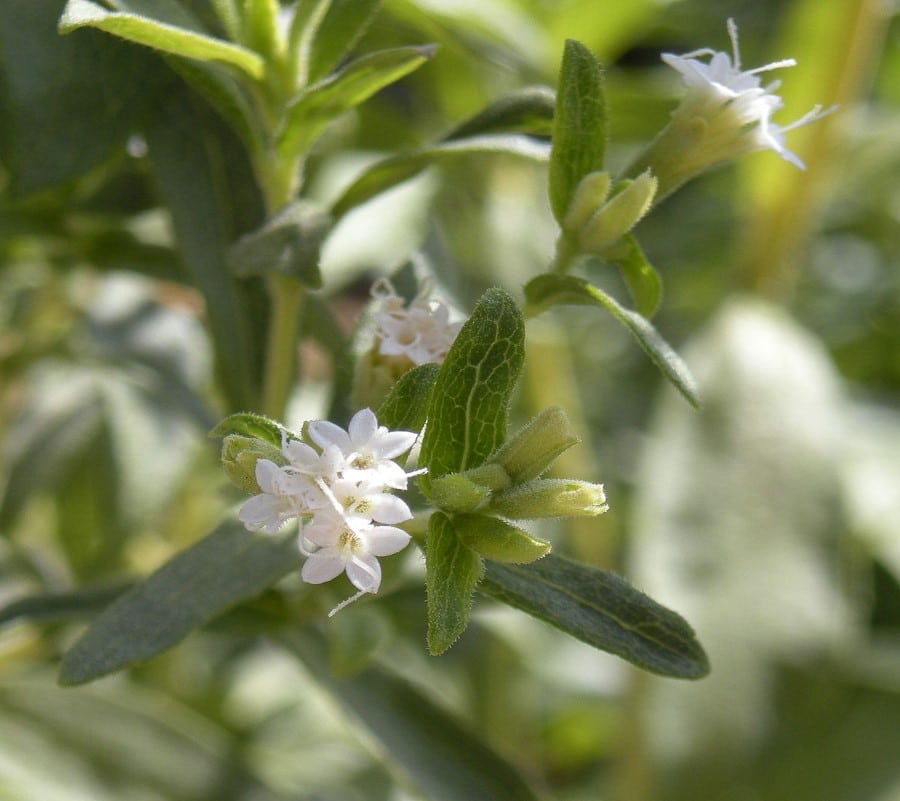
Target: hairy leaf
250,424
406,406
452,571
228,566
641,277
603,610
549,290
467,417
579,125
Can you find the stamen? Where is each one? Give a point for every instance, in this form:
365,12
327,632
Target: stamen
735,49
346,602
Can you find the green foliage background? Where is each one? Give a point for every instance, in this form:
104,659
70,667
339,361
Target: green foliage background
768,518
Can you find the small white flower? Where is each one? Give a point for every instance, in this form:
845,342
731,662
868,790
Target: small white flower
734,103
284,495
368,449
421,331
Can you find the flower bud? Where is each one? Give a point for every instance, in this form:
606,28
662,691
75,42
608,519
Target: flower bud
555,497
239,457
590,195
534,448
455,492
618,215
498,540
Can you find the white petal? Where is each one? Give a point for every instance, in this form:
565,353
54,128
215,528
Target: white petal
363,426
386,508
393,443
386,540
323,534
264,512
324,433
364,572
267,473
300,454
322,566
390,474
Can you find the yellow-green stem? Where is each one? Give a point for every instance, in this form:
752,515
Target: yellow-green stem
286,296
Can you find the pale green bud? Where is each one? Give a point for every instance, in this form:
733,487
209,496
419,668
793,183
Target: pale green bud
534,448
498,540
618,215
590,195
239,457
466,492
553,497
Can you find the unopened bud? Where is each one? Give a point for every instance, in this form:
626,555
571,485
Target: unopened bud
590,195
239,457
455,492
498,540
534,448
618,215
554,497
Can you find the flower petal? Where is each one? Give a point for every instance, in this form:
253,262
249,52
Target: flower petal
386,508
386,540
363,426
324,433
364,572
322,566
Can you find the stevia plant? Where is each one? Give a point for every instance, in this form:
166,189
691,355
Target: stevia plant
416,451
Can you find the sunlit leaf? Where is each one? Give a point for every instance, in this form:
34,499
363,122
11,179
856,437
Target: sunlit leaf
342,25
603,610
548,290
250,424
641,277
406,406
529,111
228,566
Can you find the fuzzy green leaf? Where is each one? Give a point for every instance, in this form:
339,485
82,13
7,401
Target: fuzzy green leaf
165,27
395,170
549,290
529,111
641,277
227,567
250,424
54,607
320,103
603,610
452,571
406,406
467,418
498,540
579,125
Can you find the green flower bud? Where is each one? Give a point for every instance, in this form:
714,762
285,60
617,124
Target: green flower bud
590,195
618,215
498,540
534,448
239,457
455,492
554,497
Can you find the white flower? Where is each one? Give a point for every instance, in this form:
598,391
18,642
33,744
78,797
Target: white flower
734,103
421,331
284,495
368,449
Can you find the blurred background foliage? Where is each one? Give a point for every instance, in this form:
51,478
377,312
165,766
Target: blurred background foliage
770,519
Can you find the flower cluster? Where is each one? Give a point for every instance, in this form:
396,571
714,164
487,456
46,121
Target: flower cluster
421,331
340,492
722,87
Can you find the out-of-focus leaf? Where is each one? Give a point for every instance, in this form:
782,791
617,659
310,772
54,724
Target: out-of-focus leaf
467,417
52,607
342,25
396,169
68,103
641,277
228,566
319,324
439,756
317,105
601,609
406,407
288,243
579,125
548,290
528,111
452,571
197,164
163,26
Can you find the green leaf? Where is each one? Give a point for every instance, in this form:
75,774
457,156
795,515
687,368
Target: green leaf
250,424
54,607
498,540
452,571
392,171
467,417
68,103
641,277
529,111
205,180
289,243
579,125
320,103
603,610
549,290
439,756
162,26
227,567
344,23
406,406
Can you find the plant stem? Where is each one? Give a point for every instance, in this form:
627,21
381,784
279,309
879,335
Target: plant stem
286,295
